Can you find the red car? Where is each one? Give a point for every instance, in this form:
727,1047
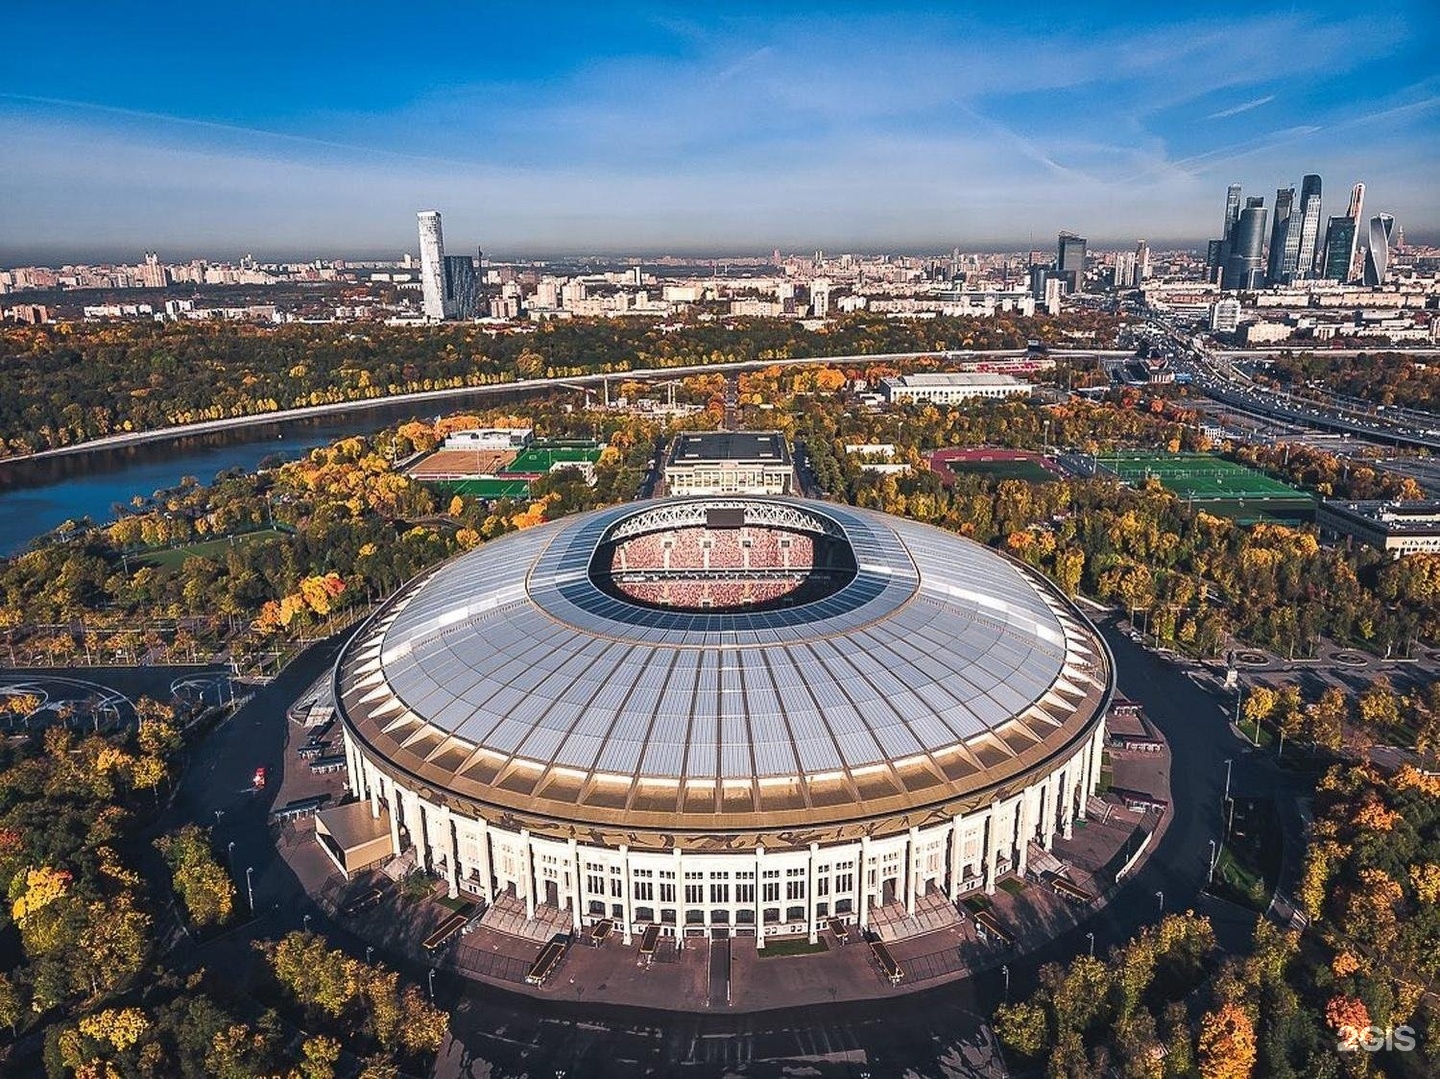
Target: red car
259,781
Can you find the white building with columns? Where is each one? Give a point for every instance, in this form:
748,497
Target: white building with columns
797,711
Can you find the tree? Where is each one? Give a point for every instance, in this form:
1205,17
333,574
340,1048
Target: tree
11,1004
1379,706
1325,719
1022,1027
1227,1043
320,1055
121,1027
1260,704
201,882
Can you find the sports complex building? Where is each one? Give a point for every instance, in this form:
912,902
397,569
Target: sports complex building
737,715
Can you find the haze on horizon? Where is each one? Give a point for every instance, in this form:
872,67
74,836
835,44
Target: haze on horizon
646,128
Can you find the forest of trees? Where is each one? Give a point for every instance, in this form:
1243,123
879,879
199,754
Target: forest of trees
1200,578
70,382
89,975
307,541
1167,1006
1382,378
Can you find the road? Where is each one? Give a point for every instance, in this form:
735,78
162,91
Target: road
528,385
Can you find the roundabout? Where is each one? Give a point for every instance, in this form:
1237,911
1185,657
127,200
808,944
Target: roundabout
38,700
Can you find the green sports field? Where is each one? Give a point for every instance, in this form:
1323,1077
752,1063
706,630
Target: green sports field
1002,470
543,456
487,488
1224,487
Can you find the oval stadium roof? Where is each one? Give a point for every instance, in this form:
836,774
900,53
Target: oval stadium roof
509,677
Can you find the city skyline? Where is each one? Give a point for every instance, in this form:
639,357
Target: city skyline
646,132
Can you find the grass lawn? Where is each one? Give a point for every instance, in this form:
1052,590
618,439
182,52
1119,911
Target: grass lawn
1012,885
1003,470
458,905
976,903
792,946
174,557
1249,865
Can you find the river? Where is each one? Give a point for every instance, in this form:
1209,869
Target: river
36,496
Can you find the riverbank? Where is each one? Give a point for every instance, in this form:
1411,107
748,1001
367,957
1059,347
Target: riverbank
529,385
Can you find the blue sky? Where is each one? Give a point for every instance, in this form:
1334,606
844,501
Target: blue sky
320,129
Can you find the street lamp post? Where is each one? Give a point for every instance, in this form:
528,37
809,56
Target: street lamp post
250,887
1161,896
306,923
1214,855
1229,763
1092,944
430,977
1005,970
369,951
230,854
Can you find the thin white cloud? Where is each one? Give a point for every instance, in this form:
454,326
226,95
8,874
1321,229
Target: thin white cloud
1238,109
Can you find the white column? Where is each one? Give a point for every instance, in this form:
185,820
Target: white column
992,828
527,863
394,803
629,889
1047,810
487,878
1066,808
759,897
679,897
1023,827
912,856
572,891
957,837
452,851
810,893
415,821
862,882
354,780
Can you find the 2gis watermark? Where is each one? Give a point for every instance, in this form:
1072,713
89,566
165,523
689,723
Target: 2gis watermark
1399,1039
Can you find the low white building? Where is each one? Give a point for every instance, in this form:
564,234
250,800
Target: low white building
951,387
490,438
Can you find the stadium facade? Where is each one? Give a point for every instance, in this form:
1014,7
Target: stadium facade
738,715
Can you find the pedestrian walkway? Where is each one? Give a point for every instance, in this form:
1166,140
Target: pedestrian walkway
932,911
507,915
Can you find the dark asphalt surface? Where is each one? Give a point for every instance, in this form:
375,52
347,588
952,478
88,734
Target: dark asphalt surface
924,1034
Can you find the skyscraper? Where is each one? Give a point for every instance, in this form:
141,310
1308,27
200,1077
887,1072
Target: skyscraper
1245,264
1142,263
462,295
1357,215
1275,268
1377,248
432,265
1339,246
1309,225
1070,261
1232,210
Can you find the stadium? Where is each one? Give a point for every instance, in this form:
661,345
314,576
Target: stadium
735,716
